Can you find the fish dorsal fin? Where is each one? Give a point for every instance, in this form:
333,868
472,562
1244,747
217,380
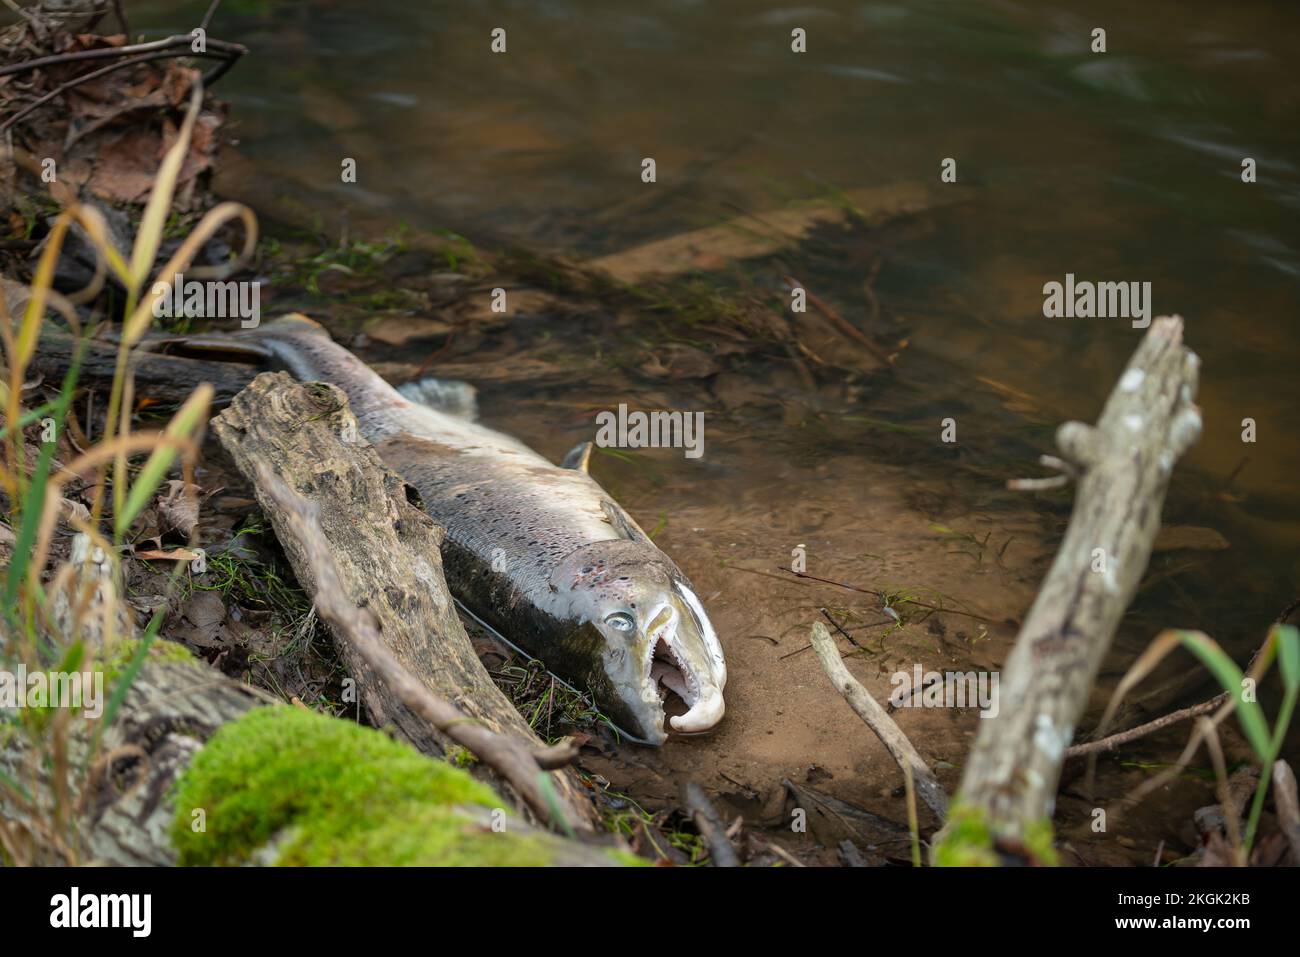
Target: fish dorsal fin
579,458
444,395
623,523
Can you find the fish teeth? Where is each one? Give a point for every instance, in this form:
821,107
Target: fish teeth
703,715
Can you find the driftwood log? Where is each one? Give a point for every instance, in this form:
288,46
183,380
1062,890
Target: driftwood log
122,812
510,756
169,378
1122,465
387,552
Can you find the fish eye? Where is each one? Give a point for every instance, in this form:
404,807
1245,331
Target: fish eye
621,621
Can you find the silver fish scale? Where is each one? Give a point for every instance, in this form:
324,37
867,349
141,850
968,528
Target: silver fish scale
488,503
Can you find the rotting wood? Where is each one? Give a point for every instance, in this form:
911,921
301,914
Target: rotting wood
508,755
1123,465
124,811
388,555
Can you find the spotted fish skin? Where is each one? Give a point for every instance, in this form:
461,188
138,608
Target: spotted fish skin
540,553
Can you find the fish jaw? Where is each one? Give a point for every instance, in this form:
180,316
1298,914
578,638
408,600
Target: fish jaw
653,637
688,643
674,650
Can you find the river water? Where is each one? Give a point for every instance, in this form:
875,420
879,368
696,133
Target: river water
1116,166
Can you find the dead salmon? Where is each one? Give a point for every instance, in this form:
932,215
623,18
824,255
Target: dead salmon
539,552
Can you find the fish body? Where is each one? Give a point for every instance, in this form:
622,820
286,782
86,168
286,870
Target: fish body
539,552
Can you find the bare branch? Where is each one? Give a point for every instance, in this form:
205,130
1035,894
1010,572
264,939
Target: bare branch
1113,741
1124,463
881,724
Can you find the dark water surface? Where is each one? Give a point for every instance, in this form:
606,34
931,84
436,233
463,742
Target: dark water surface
1123,166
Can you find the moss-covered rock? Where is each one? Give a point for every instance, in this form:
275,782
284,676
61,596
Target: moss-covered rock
288,786
118,657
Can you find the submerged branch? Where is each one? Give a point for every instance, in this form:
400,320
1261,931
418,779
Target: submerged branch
881,724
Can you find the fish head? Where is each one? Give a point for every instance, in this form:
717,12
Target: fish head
651,633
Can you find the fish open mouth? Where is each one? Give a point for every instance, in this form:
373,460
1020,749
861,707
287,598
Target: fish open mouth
670,672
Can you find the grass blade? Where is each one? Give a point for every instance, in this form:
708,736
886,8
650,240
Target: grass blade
184,424
154,220
127,677
1249,713
1288,640
34,505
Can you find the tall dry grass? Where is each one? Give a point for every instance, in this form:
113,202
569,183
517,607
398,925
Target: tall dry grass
72,617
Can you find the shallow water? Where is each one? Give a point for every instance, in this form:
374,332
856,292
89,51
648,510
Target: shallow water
1121,166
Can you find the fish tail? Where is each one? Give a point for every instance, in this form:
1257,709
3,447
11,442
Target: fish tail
303,348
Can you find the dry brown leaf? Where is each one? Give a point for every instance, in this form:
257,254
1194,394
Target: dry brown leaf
175,555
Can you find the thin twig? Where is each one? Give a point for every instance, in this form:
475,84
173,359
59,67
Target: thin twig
120,14
882,725
878,594
780,852
1111,742
845,327
107,53
827,615
1067,470
104,71
77,81
207,17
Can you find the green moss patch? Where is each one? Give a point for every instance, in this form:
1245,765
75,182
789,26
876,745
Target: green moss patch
326,791
967,841
119,656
